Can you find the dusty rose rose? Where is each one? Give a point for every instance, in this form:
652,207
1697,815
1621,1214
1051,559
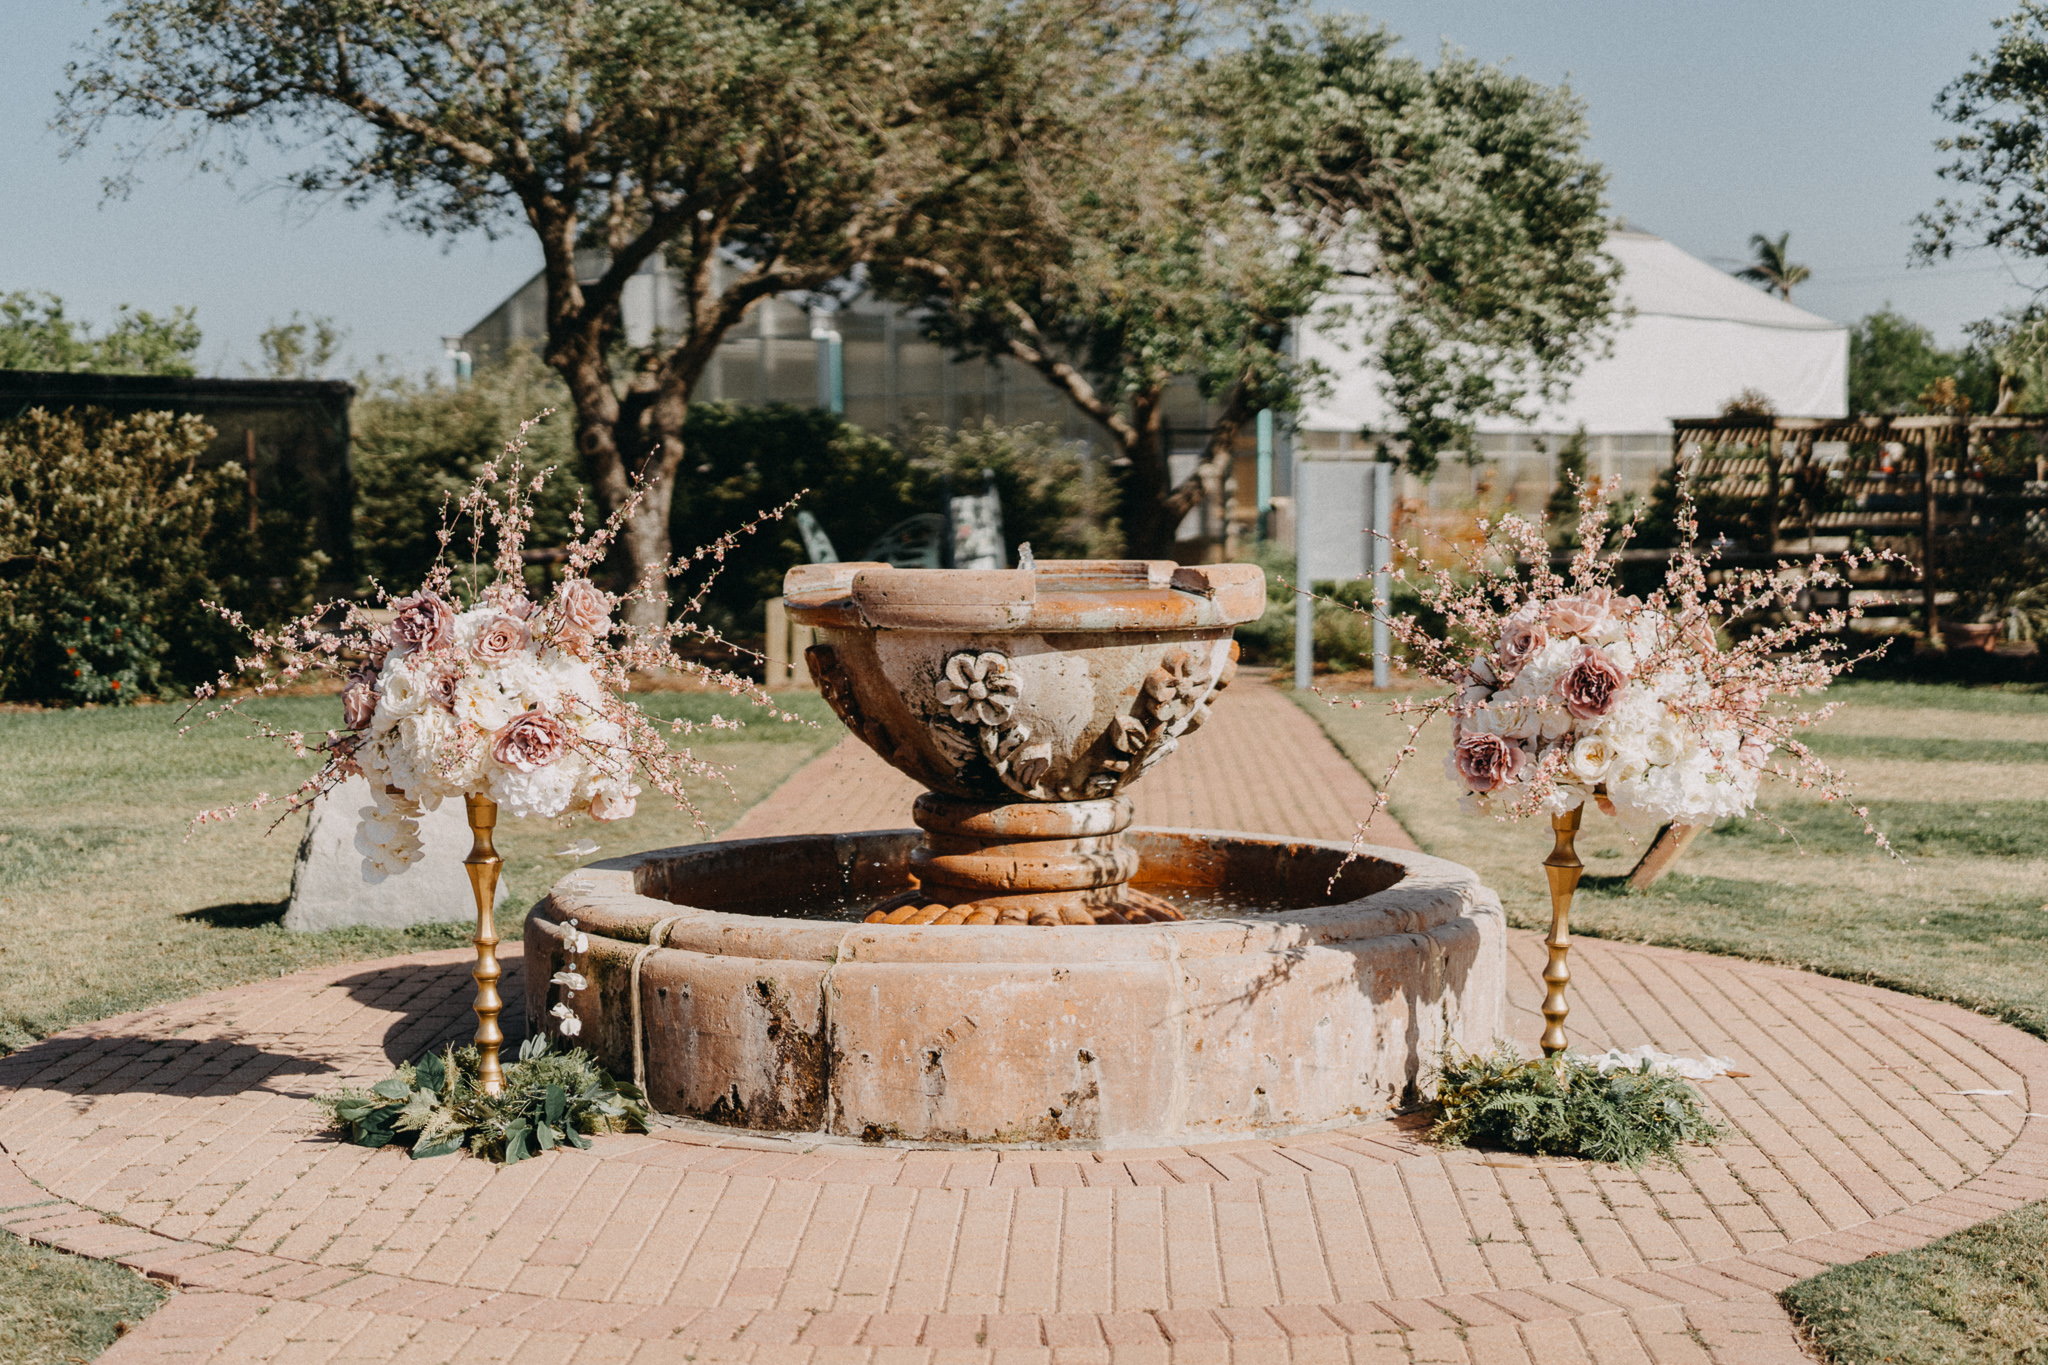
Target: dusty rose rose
609,805
424,621
585,606
1488,762
530,740
441,687
1580,615
501,638
1593,685
1522,638
359,700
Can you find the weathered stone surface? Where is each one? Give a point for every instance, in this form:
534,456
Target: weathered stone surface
328,890
1103,1036
1027,701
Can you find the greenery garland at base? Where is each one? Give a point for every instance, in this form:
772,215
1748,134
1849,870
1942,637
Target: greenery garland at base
436,1107
1565,1107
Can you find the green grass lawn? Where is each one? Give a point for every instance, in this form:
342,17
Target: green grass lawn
1958,780
109,904
56,1308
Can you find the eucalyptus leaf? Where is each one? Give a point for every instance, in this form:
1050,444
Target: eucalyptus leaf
391,1088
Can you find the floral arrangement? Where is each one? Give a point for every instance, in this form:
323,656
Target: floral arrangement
1564,691
474,685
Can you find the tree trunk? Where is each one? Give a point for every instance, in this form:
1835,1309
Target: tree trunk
1147,483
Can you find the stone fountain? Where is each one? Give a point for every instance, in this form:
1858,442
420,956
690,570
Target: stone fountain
1016,969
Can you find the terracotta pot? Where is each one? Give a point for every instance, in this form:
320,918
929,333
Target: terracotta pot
1970,635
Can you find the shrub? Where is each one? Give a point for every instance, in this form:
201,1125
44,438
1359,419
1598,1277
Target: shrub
418,443
1051,496
745,460
1565,1107
103,553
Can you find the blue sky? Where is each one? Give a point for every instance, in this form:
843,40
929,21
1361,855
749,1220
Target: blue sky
1715,120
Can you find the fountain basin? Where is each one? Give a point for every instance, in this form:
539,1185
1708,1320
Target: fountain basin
1103,1036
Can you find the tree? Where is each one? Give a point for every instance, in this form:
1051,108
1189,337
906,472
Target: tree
35,334
1774,269
1893,361
2001,154
300,349
759,148
1197,218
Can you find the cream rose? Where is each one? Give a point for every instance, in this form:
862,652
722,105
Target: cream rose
1591,758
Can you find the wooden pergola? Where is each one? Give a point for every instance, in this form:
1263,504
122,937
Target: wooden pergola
1899,479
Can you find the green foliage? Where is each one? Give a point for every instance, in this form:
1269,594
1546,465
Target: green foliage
1974,1297
1561,512
759,148
299,349
418,444
744,461
748,460
437,1105
59,1309
1341,628
103,527
1461,192
2000,108
1051,497
1893,360
1565,1107
36,335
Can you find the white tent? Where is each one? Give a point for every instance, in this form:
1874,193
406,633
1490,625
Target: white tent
1697,337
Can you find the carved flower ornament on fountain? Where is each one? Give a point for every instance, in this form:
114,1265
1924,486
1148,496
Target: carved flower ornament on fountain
1026,701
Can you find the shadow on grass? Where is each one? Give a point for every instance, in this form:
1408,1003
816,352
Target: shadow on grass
238,914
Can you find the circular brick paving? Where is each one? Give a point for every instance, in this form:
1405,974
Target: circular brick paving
180,1141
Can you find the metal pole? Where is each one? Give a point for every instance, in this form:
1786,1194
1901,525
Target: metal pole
1381,557
1265,471
1304,607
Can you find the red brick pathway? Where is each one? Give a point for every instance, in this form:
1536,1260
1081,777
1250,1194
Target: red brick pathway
180,1141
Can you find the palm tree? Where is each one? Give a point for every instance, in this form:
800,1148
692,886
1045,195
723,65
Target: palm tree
1776,274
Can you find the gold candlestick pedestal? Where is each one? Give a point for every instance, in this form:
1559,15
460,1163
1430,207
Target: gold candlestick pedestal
1564,869
483,865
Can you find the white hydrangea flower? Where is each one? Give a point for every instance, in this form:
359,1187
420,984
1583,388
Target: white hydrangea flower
544,791
481,703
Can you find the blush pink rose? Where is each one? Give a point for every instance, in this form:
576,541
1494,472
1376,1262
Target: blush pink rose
423,622
1522,638
502,638
1581,615
359,700
1488,762
530,740
1593,685
610,805
585,606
